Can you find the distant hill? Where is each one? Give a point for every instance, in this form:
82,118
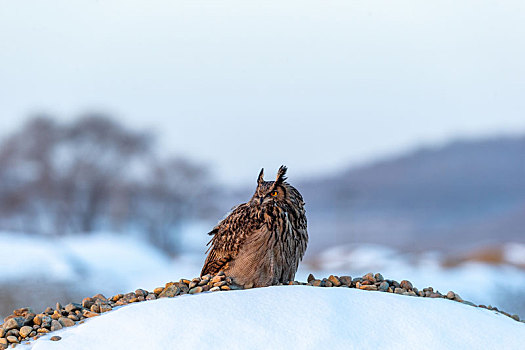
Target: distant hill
464,194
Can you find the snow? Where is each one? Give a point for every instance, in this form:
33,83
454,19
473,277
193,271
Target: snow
293,317
515,253
112,263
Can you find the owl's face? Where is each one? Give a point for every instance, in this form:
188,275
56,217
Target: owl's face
270,192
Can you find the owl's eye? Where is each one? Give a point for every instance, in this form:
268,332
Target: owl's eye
273,194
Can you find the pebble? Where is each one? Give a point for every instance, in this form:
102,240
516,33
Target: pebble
25,331
55,338
72,307
12,323
310,278
346,280
2,332
335,281
55,325
66,322
406,285
158,290
87,303
369,277
451,295
12,339
383,286
170,291
100,297
195,290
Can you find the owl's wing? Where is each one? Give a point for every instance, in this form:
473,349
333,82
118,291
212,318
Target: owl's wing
228,237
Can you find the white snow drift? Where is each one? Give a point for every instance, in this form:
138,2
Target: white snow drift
293,317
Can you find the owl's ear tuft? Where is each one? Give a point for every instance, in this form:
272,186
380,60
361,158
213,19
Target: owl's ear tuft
281,174
260,179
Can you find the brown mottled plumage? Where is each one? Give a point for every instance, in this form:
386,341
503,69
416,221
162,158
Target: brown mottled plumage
261,242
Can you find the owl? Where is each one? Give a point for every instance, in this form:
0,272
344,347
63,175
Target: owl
261,242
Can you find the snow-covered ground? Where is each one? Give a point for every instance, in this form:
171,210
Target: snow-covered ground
298,317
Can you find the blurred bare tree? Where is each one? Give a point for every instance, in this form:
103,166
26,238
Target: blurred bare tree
94,174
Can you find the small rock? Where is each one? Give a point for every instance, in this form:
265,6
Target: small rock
383,286
66,322
55,325
2,332
87,303
346,280
327,283
451,295
379,277
24,331
214,289
216,279
14,332
12,323
89,314
170,291
74,318
158,290
49,311
140,292
100,297
369,277
116,297
310,278
458,298
225,288
42,330
516,317
12,339
95,308
58,306
335,281
151,296
196,290
55,338
3,341
316,283
406,285
105,308
399,290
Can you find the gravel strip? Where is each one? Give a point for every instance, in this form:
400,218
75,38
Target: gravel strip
24,325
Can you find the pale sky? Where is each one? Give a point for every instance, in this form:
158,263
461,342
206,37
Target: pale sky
315,85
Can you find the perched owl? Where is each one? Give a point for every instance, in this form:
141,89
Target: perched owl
261,242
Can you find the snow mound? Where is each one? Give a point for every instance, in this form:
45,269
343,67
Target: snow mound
293,317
